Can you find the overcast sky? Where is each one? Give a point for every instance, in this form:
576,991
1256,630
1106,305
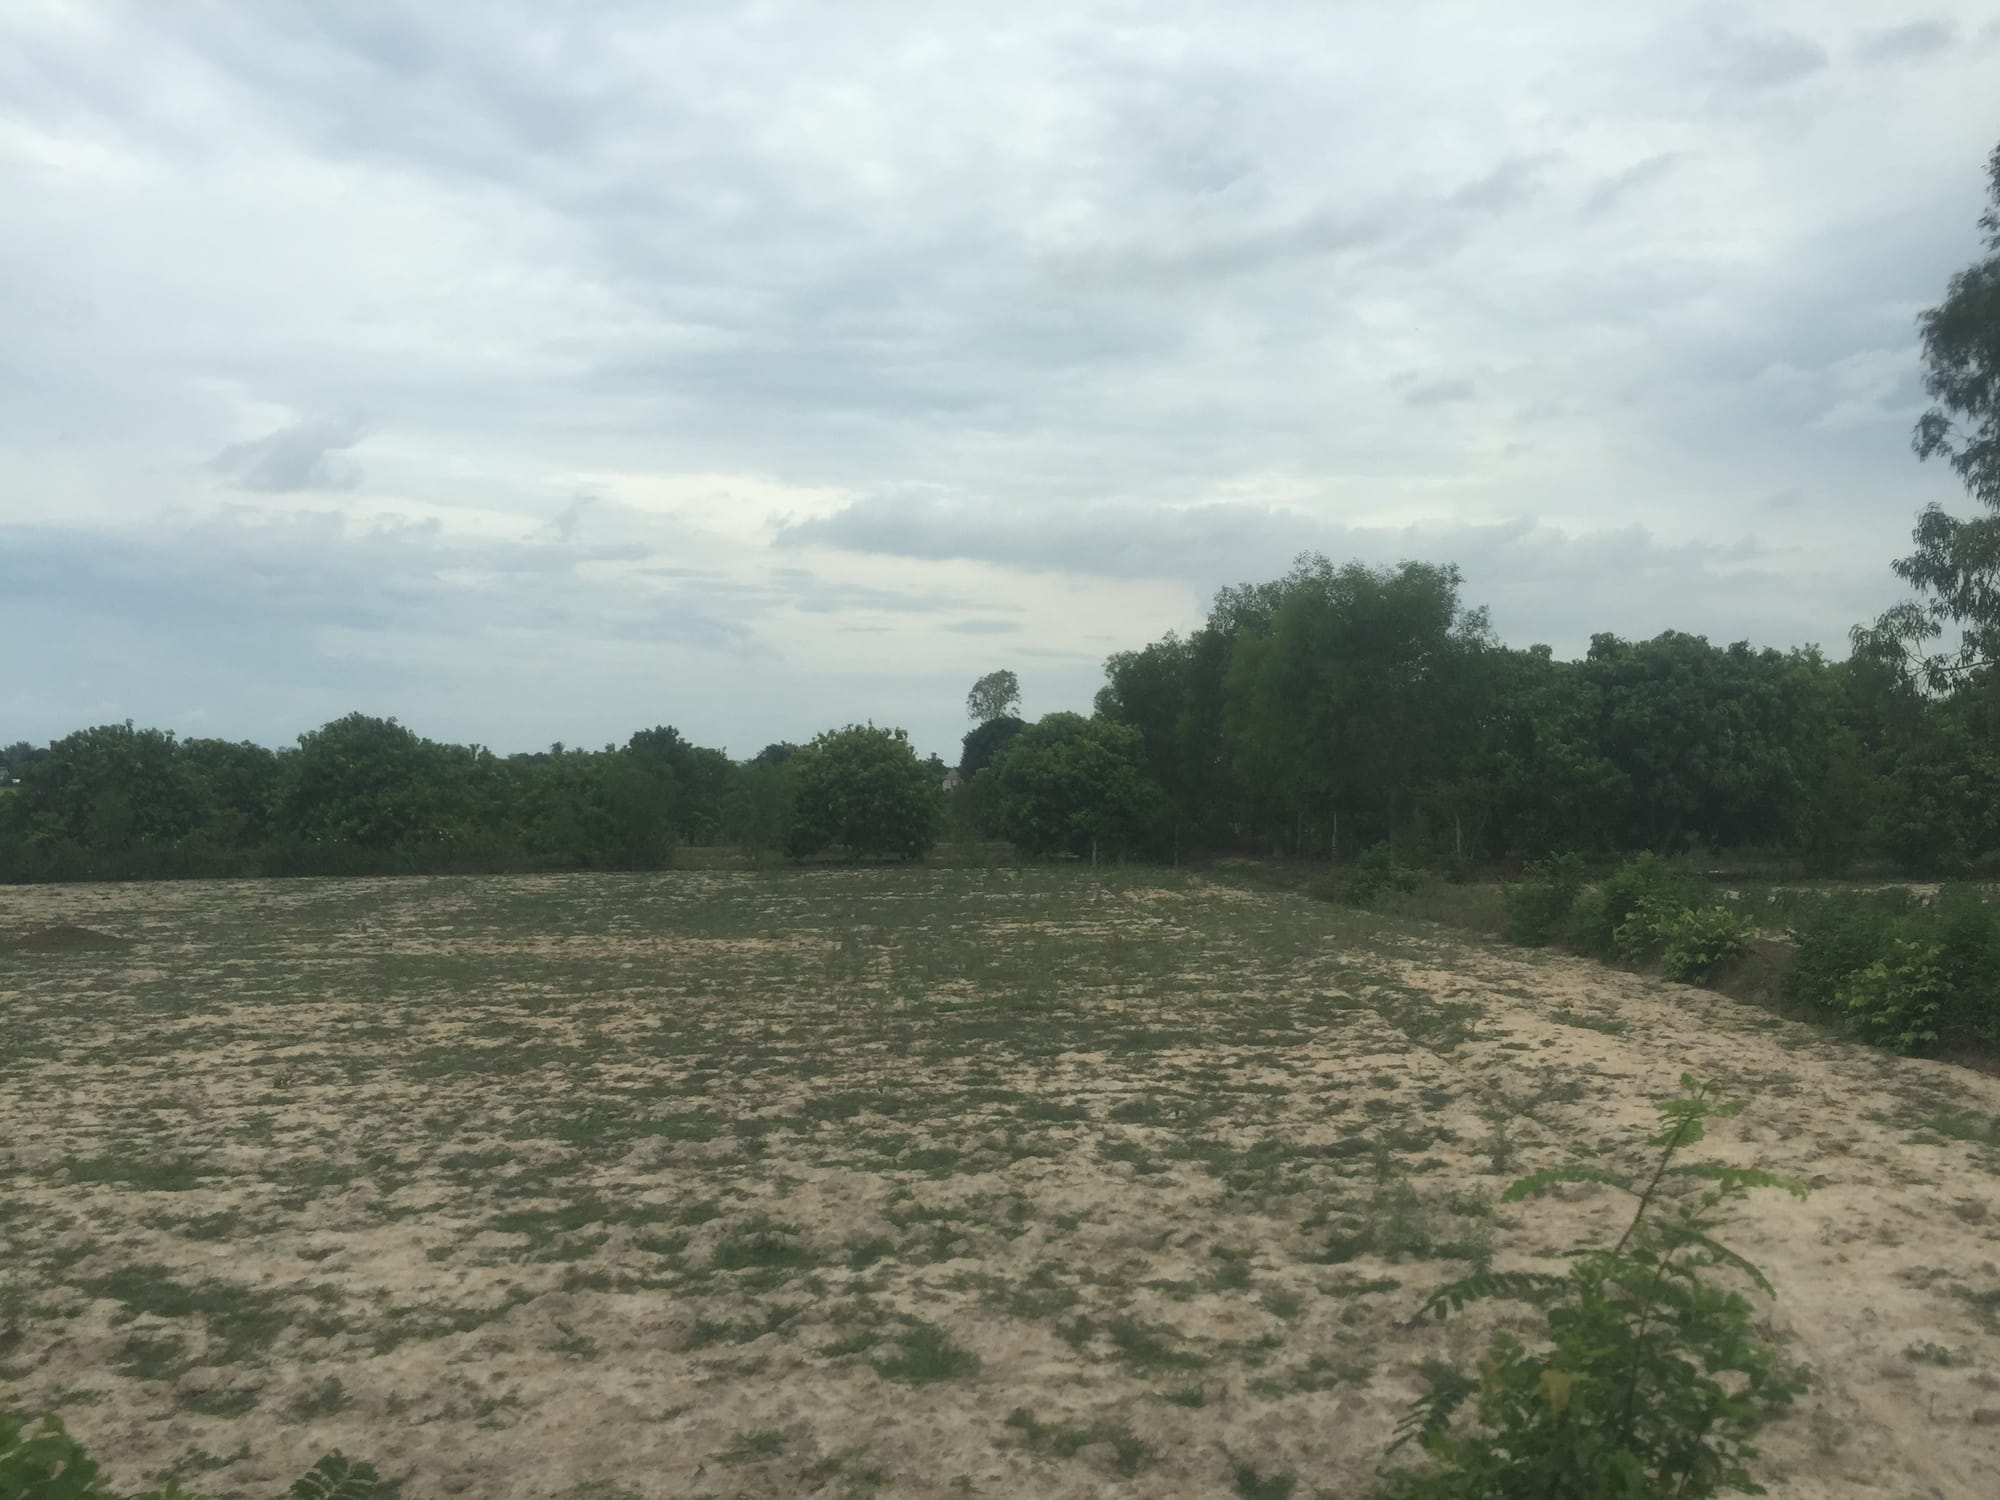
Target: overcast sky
543,372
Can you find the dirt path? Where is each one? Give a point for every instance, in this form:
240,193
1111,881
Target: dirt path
892,1183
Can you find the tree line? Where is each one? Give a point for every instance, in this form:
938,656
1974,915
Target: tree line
1334,710
1320,714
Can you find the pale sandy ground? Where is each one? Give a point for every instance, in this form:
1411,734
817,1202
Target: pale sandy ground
362,1180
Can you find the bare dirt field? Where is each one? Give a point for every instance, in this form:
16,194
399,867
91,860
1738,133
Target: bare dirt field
899,1183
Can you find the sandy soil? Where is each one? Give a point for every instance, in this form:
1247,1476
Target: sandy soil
656,1186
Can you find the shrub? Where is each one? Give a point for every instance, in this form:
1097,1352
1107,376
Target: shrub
1691,942
1897,1002
1902,974
1965,925
1698,941
1836,936
1538,907
1650,1380
1375,872
1646,882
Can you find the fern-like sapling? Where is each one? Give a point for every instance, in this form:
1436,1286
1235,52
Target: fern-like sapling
39,1460
1653,1381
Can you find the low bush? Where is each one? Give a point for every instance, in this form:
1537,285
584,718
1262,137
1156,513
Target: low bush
1691,942
1897,1001
1837,934
1375,873
1539,904
1907,976
1700,940
1646,887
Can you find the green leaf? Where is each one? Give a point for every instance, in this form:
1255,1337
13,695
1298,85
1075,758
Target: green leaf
1729,1257
1433,1412
1534,1183
1733,1179
1517,1286
335,1477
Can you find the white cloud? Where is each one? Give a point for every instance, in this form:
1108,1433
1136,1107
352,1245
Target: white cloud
507,336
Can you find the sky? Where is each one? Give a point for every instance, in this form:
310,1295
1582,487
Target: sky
536,373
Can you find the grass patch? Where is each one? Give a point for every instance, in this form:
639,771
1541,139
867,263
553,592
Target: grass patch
1251,1485
925,1353
1065,1440
753,1446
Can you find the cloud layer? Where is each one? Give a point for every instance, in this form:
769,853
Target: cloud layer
539,374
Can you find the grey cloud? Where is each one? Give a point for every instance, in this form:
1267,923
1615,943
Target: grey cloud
1542,583
1756,61
1635,179
309,455
1903,43
258,607
1441,392
567,520
985,626
1229,250
676,241
1510,184
1411,228
807,592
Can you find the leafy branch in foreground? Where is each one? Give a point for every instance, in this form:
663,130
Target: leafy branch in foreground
41,1461
1653,1380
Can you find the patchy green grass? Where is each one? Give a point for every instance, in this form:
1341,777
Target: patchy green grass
1065,1440
925,1353
810,1176
749,1447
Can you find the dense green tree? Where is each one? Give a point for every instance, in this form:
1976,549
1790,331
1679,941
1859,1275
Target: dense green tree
1071,785
982,744
1701,743
238,789
1936,805
757,811
18,756
109,788
1174,693
1955,568
995,694
364,783
1352,687
701,780
864,790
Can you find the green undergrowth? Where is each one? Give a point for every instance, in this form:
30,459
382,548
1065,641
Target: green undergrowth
1887,967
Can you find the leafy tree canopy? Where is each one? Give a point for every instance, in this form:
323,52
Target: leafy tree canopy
981,745
1955,568
862,789
995,694
1069,785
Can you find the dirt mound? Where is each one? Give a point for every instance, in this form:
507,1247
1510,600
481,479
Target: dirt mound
64,937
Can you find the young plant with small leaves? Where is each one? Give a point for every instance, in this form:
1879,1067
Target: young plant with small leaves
1652,1380
39,1460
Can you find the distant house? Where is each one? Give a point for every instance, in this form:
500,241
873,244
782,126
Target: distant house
952,780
